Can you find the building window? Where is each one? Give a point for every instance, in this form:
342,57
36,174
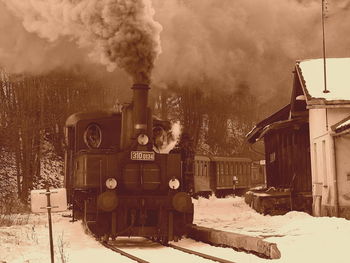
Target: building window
272,157
324,160
315,161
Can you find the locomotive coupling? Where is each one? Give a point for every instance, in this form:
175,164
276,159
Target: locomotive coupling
107,201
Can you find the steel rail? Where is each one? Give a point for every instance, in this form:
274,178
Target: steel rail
112,247
140,260
206,256
123,253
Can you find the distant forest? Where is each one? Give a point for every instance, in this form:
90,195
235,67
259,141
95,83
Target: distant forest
34,109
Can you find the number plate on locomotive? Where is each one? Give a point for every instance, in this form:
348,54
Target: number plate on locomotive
142,156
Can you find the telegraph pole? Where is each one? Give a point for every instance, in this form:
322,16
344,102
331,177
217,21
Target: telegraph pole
324,47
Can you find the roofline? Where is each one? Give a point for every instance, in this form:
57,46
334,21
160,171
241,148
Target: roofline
281,125
337,130
254,133
322,103
75,117
226,159
340,133
317,102
302,81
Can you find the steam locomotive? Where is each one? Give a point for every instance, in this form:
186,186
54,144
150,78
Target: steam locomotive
116,181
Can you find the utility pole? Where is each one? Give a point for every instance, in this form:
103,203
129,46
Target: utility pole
324,46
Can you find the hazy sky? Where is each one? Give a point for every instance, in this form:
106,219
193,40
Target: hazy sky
225,41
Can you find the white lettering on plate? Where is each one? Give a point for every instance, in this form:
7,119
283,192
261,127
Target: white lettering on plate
142,156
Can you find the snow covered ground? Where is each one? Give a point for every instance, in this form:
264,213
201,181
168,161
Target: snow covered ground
299,237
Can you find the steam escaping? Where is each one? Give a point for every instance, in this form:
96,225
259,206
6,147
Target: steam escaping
176,130
169,140
116,33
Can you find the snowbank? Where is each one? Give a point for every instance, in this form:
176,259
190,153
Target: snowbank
299,236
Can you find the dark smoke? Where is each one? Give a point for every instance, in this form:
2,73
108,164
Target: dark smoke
225,41
246,41
116,33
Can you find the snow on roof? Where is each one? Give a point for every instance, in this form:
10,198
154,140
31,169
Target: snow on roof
346,123
342,126
338,78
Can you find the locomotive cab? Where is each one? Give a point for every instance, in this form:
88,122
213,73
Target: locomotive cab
91,143
116,180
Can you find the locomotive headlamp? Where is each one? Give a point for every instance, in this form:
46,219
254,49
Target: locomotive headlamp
142,139
111,183
174,183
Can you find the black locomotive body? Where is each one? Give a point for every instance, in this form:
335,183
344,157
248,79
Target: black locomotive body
117,182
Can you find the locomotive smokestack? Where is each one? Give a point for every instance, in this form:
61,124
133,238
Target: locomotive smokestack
140,103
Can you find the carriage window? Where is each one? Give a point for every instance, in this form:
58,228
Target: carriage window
231,168
221,168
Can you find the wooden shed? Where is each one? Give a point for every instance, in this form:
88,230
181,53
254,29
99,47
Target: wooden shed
287,153
313,131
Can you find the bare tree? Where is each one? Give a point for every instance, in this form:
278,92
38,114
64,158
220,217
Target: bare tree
217,118
188,105
33,113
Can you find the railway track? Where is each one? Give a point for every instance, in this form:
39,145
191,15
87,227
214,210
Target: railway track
114,246
206,256
124,253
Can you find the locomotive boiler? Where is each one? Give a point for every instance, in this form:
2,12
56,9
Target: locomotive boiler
116,180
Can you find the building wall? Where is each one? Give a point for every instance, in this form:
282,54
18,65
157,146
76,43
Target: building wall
342,153
322,152
287,159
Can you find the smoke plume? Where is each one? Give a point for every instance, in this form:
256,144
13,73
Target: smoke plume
116,33
246,41
226,42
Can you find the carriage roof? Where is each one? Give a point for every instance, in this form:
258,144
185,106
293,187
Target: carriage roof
221,159
230,159
202,158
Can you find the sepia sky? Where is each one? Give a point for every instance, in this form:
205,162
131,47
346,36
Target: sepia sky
227,42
